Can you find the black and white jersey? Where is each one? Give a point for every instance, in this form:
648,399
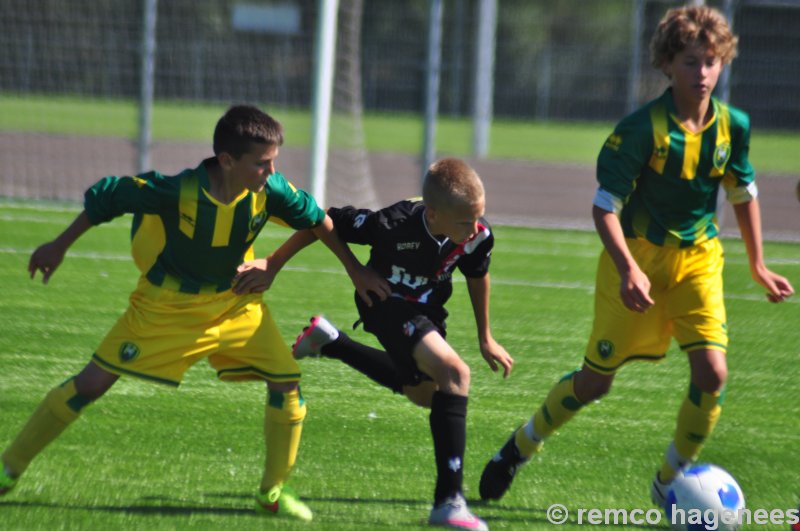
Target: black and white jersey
417,264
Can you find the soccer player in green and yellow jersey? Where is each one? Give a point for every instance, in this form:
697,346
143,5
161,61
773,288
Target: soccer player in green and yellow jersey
660,274
200,293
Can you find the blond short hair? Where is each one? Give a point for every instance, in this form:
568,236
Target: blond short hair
451,182
682,27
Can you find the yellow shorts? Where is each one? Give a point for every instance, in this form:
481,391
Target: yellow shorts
686,285
165,332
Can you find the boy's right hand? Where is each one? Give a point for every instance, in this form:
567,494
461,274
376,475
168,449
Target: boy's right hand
634,290
46,258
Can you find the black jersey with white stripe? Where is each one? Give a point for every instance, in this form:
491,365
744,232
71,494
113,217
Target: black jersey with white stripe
417,264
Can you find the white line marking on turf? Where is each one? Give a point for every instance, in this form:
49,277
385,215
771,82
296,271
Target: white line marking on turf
589,288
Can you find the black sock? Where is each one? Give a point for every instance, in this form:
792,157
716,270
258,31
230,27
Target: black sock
449,430
374,363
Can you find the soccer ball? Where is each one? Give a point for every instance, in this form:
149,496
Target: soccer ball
704,497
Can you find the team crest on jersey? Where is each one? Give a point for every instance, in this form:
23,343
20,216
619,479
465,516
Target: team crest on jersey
258,221
614,141
128,351
721,155
605,348
409,328
138,181
359,220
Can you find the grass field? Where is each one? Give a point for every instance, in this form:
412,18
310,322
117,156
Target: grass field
151,457
573,143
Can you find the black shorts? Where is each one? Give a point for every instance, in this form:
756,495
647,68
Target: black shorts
399,325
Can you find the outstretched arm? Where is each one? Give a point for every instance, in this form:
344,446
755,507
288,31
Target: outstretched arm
256,276
364,278
634,289
748,216
47,257
492,351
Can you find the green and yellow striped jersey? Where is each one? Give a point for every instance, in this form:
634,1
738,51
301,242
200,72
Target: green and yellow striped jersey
668,177
186,240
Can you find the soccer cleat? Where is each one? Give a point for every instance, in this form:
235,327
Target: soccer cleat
313,337
282,501
500,471
658,491
454,513
7,482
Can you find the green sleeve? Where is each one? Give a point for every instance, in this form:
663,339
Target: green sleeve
295,207
113,196
624,155
739,164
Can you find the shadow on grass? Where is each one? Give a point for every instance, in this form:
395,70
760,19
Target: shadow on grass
161,510
499,513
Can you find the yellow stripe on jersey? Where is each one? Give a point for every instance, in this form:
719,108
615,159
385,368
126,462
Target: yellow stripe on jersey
658,117
249,254
222,225
223,219
723,138
148,242
187,206
691,154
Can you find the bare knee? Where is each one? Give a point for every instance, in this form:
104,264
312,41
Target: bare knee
282,387
709,370
590,385
93,382
453,376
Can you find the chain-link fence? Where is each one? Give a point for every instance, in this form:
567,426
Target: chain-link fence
555,59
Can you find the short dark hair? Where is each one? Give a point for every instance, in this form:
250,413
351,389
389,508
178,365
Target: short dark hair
243,125
451,182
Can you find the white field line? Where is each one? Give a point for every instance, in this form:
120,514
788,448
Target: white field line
498,281
279,233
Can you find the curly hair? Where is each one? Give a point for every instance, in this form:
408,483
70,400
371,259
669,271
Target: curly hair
682,27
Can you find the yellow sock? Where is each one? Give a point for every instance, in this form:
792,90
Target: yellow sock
560,405
696,420
283,424
59,409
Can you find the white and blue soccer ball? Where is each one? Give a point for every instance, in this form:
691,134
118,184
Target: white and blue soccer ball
704,497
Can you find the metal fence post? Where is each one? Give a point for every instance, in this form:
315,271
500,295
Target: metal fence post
146,84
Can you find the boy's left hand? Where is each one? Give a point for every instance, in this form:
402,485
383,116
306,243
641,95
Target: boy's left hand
254,276
494,353
366,280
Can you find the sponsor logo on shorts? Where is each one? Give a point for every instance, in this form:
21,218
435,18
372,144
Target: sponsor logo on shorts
128,351
409,328
605,348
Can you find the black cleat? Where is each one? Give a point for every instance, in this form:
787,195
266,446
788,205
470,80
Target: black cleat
500,470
